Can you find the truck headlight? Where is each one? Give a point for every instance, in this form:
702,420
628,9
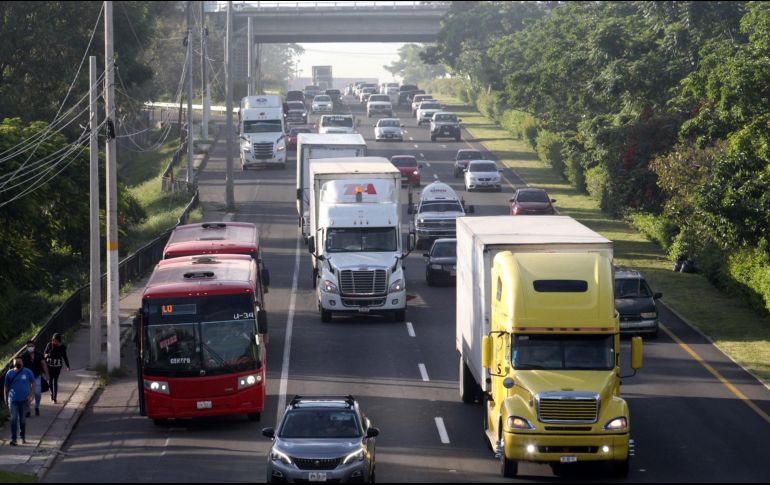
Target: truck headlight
157,386
249,381
330,287
355,456
616,424
277,455
649,315
397,286
517,422
281,147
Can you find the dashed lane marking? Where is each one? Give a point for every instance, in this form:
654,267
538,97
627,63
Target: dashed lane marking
423,372
442,431
410,329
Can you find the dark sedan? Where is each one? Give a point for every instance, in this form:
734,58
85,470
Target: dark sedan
532,202
441,262
462,158
293,133
636,303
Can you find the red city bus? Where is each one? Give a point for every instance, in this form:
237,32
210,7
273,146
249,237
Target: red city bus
213,238
200,339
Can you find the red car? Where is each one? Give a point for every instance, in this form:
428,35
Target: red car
292,138
532,202
409,168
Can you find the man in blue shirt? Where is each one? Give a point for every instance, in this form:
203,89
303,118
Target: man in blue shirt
19,389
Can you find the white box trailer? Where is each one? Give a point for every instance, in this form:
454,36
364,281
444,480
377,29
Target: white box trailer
479,240
318,146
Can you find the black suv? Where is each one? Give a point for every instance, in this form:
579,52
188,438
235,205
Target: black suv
636,303
404,93
444,125
322,439
295,96
462,158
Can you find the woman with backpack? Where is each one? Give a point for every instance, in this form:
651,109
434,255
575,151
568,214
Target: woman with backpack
56,358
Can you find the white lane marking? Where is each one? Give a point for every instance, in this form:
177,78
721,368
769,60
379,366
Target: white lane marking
423,372
428,164
443,146
416,145
422,155
287,338
411,138
442,431
410,329
435,176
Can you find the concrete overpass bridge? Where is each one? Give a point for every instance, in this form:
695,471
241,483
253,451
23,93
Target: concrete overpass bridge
296,22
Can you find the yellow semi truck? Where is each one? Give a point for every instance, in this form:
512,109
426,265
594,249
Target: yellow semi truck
539,341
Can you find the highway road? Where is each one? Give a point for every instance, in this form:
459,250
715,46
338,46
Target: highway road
688,425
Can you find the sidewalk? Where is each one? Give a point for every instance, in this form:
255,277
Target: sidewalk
47,433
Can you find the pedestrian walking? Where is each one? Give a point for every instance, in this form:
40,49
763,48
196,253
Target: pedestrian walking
55,357
18,392
34,361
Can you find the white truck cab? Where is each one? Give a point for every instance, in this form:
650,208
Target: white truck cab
262,132
355,240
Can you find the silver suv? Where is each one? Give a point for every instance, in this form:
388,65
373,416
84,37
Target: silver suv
322,439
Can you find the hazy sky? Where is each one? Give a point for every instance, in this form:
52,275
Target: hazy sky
351,59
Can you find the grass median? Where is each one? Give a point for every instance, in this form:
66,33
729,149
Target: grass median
737,330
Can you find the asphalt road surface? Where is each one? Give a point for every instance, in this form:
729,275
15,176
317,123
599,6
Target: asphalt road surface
688,425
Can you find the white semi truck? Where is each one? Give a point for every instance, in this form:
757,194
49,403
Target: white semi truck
355,237
318,146
263,132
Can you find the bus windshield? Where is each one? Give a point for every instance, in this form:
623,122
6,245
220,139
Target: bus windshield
200,336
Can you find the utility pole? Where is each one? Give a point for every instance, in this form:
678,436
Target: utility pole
95,308
205,101
229,195
190,117
250,56
113,278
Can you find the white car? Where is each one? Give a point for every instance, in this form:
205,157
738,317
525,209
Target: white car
364,94
425,111
336,124
482,174
388,129
322,104
379,104
419,98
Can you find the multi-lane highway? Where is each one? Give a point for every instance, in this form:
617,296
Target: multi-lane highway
688,425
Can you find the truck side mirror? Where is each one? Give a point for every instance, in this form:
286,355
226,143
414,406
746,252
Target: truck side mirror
425,255
311,244
657,296
636,353
486,352
508,383
268,433
262,322
372,433
265,277
553,200
470,209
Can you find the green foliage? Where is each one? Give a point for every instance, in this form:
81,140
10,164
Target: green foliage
750,270
491,105
521,125
655,228
549,149
596,184
411,68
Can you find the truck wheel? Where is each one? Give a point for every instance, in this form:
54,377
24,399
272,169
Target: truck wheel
432,138
399,316
326,316
620,468
469,389
254,416
508,468
428,278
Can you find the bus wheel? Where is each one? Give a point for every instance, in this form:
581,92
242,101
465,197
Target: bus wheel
254,416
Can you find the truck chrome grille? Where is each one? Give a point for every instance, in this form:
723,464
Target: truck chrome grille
365,282
263,150
567,407
438,224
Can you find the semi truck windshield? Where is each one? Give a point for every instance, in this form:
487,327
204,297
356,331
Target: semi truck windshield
262,126
559,352
376,239
191,336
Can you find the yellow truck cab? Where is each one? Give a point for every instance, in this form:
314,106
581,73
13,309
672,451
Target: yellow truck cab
539,340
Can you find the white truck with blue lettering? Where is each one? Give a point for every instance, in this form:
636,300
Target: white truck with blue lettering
262,132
